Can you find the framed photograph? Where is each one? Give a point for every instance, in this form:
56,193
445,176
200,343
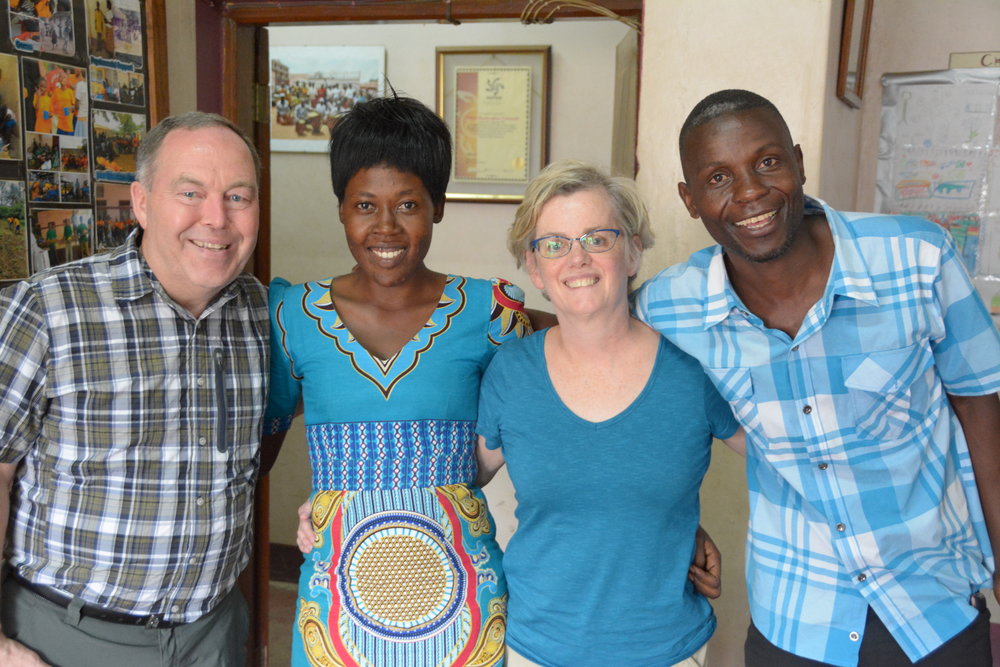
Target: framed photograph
311,86
854,51
495,100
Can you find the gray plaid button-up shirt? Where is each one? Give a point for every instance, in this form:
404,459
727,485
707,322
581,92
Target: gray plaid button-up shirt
137,427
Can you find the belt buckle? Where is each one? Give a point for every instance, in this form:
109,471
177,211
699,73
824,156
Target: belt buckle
152,622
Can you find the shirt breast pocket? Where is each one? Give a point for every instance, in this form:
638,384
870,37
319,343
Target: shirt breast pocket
888,391
735,385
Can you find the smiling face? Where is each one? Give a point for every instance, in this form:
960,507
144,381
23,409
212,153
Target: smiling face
388,217
199,215
744,180
581,282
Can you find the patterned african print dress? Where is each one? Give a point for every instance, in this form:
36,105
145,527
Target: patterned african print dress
406,569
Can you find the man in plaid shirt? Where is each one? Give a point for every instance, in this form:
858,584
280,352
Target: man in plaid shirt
857,355
133,391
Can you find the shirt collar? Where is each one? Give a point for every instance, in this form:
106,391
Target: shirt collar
849,276
132,279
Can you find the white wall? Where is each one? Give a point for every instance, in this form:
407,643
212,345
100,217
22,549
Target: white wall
306,236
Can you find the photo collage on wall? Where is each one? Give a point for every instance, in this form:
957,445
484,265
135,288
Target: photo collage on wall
73,109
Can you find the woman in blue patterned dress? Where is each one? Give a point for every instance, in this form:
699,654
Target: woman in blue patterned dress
385,362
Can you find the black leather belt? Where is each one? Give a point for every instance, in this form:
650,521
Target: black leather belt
151,621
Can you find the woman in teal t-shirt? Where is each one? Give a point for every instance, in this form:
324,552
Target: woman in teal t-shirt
606,430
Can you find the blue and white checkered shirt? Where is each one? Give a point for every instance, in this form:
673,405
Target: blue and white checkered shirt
861,486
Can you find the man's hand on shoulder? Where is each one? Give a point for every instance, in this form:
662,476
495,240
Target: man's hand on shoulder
15,654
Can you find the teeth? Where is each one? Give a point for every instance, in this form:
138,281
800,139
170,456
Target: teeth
211,246
387,254
756,220
581,282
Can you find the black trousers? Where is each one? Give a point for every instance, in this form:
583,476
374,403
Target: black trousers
969,648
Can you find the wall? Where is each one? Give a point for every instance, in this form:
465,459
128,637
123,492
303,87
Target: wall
306,237
182,66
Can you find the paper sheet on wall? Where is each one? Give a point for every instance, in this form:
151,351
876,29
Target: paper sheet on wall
939,157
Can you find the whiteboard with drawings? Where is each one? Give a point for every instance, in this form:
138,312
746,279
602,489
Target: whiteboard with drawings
939,157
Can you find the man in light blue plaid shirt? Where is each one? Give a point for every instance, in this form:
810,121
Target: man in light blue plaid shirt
857,355
133,393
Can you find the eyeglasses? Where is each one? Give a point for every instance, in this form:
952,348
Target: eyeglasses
599,240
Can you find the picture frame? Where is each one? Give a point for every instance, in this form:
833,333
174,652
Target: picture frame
495,101
854,51
312,86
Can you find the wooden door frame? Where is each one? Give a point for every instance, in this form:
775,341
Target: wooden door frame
224,28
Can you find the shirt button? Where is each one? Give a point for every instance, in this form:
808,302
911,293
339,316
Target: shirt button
202,440
193,560
854,636
176,608
862,576
823,466
200,382
841,528
808,409
199,501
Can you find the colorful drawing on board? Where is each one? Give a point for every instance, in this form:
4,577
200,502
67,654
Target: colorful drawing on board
13,232
964,228
937,181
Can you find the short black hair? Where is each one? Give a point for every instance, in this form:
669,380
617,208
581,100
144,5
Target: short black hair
398,132
724,102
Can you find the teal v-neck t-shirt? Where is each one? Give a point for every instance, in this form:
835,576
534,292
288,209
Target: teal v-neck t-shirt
606,511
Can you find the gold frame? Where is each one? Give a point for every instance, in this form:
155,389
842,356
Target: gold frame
854,51
538,58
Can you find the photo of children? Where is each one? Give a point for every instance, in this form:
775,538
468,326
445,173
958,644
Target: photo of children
13,232
43,186
50,96
10,110
113,219
63,233
73,155
128,31
101,28
43,151
116,138
74,188
110,84
114,32
44,26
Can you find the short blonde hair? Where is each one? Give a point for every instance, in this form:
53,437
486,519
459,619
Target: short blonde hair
566,177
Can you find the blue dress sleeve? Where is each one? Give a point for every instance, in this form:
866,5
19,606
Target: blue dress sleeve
507,317
285,385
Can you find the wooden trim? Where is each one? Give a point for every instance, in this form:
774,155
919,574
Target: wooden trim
286,562
157,79
262,12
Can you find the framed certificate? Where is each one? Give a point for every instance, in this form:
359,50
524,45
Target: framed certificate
495,100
